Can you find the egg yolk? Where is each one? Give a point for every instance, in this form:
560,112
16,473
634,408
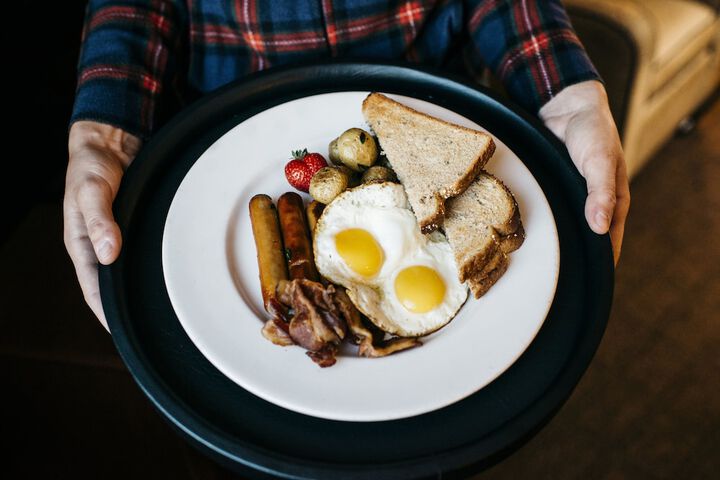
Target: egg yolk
420,289
360,251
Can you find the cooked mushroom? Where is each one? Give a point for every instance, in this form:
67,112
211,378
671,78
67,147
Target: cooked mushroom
355,148
377,173
328,183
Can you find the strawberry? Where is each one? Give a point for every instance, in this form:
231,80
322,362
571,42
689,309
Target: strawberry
300,170
298,175
315,161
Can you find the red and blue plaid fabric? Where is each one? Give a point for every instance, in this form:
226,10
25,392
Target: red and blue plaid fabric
137,53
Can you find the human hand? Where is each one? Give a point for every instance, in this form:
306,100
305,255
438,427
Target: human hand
98,157
580,116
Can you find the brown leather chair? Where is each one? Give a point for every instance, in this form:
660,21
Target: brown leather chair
660,61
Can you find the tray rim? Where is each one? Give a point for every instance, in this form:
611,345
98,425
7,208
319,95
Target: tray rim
525,424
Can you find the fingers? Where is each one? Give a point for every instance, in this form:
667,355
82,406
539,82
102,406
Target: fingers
617,231
98,154
608,200
599,171
580,116
622,206
94,199
83,257
91,235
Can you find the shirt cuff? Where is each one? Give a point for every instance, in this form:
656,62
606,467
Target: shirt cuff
106,95
535,78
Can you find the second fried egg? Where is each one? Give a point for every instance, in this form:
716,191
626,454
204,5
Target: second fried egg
368,241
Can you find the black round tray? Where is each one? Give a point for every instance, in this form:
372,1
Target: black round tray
260,439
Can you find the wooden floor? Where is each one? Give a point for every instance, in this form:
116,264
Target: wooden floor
648,407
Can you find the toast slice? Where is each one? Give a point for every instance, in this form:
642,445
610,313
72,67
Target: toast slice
433,159
482,226
480,286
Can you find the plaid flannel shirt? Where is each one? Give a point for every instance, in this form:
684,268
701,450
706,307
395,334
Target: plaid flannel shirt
136,53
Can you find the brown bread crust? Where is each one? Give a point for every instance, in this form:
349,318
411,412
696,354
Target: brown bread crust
430,207
480,286
483,227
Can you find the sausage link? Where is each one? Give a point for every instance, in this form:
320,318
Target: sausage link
268,242
296,237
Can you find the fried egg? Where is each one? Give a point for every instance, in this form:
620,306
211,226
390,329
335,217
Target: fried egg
368,241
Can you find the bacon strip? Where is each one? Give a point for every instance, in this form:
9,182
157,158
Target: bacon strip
317,324
363,336
322,317
276,334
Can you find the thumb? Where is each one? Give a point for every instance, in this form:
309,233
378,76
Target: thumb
94,199
599,172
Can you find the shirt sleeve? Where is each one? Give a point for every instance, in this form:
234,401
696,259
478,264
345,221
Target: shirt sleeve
530,46
126,61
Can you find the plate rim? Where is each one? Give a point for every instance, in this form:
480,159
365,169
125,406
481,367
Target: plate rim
183,227
521,427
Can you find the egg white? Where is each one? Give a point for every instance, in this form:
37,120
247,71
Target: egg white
383,210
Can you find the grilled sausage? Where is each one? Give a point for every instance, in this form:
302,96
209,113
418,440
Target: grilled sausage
296,237
268,242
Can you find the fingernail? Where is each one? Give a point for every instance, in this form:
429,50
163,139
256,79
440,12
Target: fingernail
602,220
104,250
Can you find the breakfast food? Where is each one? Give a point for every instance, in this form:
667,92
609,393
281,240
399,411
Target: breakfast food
355,148
317,323
328,183
304,309
313,210
368,337
300,170
483,225
433,159
381,264
405,282
378,173
296,237
478,212
268,242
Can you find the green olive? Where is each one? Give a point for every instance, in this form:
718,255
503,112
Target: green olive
355,148
377,173
328,183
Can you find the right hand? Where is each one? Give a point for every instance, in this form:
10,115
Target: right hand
99,154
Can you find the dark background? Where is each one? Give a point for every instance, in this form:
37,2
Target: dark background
40,45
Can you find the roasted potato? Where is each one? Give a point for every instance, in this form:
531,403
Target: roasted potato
328,183
376,173
355,148
333,152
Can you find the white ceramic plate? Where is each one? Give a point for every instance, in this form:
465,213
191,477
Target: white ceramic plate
211,273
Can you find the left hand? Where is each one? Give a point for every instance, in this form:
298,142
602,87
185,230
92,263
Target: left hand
580,116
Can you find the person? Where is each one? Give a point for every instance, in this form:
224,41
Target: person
139,55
